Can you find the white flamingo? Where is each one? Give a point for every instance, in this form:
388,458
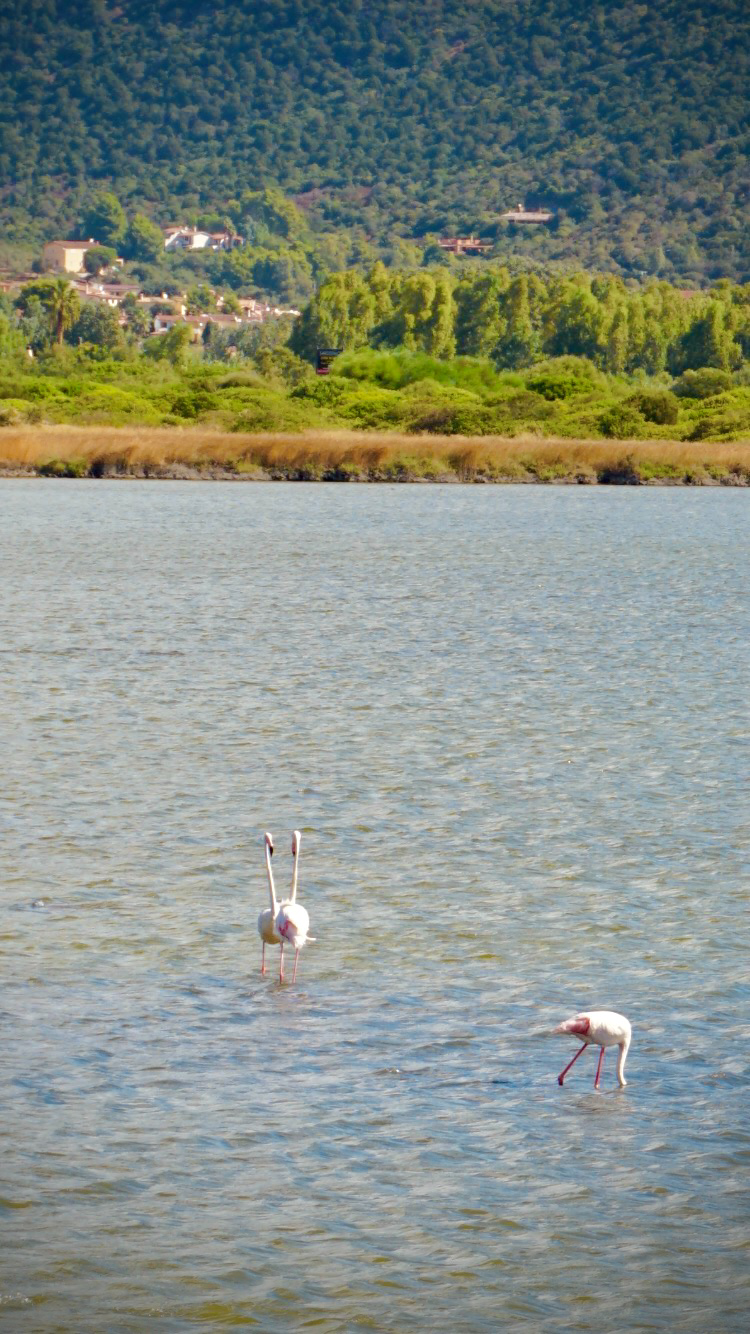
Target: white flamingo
599,1028
267,919
292,920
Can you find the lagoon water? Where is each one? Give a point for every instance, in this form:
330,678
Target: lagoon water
512,724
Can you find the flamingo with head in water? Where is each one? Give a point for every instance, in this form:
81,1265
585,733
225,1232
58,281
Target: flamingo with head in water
598,1028
292,920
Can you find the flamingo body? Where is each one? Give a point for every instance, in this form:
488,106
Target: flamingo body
267,928
599,1028
293,923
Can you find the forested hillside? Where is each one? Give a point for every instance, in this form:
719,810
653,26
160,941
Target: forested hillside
393,120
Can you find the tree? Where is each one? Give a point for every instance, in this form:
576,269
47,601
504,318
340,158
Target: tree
574,322
98,257
434,257
144,240
12,340
34,325
439,335
707,343
655,345
200,299
379,282
274,211
282,364
617,342
139,319
171,346
104,219
478,319
286,273
59,300
341,314
99,325
520,343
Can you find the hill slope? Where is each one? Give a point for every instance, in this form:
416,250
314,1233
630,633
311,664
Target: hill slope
630,121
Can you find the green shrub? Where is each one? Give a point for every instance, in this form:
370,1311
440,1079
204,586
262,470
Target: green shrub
394,370
731,427
12,411
564,377
371,407
241,380
272,411
193,403
526,406
100,403
657,405
449,419
703,383
324,390
621,422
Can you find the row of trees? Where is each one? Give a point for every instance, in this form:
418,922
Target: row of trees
516,321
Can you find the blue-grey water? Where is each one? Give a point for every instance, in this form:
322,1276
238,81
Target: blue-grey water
512,724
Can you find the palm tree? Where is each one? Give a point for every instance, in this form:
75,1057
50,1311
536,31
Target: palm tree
63,306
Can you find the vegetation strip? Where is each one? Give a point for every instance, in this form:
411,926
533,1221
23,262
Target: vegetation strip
356,456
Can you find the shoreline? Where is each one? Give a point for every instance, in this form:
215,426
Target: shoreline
364,458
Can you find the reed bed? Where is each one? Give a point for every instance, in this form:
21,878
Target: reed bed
357,455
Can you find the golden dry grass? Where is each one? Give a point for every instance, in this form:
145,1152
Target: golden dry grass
139,450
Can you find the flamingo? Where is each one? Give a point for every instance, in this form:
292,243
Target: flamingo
267,920
292,920
599,1028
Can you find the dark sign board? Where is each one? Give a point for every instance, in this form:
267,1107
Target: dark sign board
325,356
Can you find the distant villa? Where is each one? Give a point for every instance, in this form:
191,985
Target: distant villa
460,245
66,255
533,215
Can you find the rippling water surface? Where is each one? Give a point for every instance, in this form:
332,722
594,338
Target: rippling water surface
512,724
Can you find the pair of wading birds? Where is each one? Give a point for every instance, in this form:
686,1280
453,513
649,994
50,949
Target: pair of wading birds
288,922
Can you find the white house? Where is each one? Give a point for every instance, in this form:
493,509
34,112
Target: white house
192,238
532,215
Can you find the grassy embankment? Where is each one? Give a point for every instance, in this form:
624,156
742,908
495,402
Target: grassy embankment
331,455
378,417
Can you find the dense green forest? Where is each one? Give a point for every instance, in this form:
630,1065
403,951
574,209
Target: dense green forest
391,121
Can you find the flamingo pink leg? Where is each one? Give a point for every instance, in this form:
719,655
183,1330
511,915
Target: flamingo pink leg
263,960
561,1077
281,963
599,1067
296,960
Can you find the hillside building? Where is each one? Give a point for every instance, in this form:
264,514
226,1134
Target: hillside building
66,255
463,245
527,215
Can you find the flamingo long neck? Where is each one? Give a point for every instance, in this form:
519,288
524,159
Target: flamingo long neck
621,1060
271,889
293,890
